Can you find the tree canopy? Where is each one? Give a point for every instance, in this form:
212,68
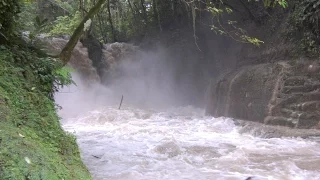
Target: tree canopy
125,20
122,20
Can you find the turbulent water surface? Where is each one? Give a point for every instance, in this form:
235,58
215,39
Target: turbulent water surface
173,143
182,143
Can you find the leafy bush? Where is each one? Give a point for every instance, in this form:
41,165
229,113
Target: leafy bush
8,11
66,25
306,20
27,16
47,71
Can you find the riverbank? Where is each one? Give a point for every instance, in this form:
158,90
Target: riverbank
32,143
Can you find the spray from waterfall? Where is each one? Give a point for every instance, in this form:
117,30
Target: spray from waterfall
146,79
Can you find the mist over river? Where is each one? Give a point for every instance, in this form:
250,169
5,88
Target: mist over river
177,143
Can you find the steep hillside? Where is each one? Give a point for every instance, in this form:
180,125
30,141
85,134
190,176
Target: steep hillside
32,144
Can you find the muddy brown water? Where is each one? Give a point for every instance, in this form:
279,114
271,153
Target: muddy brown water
182,143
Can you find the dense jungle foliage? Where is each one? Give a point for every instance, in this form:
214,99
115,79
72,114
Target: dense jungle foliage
124,20
127,20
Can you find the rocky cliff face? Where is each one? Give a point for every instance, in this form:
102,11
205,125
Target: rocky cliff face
79,60
283,93
94,62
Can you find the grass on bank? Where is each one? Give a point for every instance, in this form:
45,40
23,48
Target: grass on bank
33,145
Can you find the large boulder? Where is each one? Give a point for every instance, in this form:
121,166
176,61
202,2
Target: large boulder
94,62
276,94
80,60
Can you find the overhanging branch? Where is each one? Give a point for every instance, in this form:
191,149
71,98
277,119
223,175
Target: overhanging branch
65,54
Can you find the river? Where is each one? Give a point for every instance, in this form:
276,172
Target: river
183,143
157,136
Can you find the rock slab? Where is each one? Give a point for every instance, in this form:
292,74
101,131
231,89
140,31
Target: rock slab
283,93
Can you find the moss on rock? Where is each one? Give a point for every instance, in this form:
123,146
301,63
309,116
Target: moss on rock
32,143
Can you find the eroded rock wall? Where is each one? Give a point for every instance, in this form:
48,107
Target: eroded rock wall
80,60
94,64
283,93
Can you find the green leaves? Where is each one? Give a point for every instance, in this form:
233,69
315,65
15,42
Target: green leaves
228,27
306,20
63,76
273,3
252,40
3,35
4,3
228,10
28,1
66,24
215,11
8,11
40,23
283,3
32,143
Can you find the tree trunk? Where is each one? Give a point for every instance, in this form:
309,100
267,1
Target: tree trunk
155,13
65,54
102,31
110,21
158,17
144,11
130,6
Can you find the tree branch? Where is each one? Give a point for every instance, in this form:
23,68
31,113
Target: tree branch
65,54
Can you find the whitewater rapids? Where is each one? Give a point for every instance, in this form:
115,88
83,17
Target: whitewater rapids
183,143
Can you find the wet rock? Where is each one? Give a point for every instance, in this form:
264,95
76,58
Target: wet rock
80,60
95,54
274,94
271,131
245,93
95,62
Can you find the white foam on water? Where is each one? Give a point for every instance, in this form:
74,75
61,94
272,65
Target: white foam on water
182,143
